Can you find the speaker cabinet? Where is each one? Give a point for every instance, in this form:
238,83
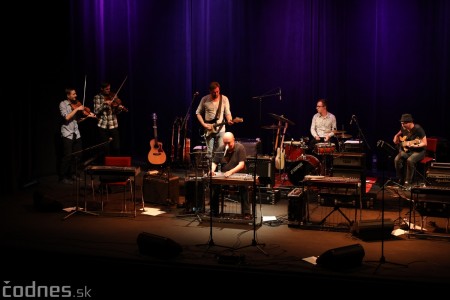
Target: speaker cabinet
370,230
157,246
158,189
342,258
265,168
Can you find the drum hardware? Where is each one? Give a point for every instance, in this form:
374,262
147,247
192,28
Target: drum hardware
282,119
324,150
338,131
273,127
343,136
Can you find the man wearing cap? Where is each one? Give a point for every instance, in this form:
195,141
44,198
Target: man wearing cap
412,142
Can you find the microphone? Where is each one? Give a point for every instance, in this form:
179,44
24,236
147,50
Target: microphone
196,93
279,93
225,152
351,120
110,139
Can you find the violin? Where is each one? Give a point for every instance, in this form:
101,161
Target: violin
86,111
116,103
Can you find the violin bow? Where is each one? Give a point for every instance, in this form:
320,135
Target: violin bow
120,87
84,91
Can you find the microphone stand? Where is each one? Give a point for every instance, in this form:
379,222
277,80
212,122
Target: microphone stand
382,257
259,98
211,240
360,133
77,182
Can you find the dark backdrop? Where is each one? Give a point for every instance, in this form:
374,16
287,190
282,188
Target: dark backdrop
374,59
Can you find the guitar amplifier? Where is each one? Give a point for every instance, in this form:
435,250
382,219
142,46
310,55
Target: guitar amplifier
252,146
265,168
349,160
438,174
161,190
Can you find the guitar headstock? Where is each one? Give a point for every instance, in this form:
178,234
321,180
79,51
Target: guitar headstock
154,117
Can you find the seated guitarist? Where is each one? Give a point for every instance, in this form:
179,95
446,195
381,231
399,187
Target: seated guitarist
216,109
412,142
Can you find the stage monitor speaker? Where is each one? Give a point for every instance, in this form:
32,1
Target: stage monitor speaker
370,230
341,258
158,246
157,189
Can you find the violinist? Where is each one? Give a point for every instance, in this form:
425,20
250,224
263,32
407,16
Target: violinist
107,106
72,111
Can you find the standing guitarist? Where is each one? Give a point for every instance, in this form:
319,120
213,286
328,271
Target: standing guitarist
412,143
214,109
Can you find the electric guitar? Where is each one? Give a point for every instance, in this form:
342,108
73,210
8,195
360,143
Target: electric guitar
281,155
216,127
406,144
156,156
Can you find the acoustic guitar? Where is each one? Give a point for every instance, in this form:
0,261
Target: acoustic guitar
406,144
156,156
216,127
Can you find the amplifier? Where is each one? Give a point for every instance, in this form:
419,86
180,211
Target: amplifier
298,206
252,146
349,159
438,165
158,189
353,146
438,176
265,168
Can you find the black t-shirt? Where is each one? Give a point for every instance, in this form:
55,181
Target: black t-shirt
231,159
416,133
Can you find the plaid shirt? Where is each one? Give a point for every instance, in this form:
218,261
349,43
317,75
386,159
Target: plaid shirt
107,119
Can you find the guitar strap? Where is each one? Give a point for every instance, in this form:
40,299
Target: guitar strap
216,117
